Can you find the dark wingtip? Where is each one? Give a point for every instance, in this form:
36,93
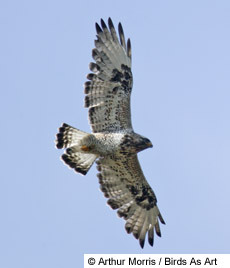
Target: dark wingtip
98,28
121,35
120,29
161,219
158,233
129,51
103,25
151,237
150,241
157,229
110,22
136,235
142,242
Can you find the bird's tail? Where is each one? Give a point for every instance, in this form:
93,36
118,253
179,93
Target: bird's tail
77,155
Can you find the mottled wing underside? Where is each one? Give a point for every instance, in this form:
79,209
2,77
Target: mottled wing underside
109,87
123,182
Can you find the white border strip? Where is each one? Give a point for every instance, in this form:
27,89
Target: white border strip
156,260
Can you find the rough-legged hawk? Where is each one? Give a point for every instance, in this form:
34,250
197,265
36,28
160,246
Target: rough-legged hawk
113,142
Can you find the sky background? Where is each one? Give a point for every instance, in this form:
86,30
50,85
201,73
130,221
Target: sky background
51,216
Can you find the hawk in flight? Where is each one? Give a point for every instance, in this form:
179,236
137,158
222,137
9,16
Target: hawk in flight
113,143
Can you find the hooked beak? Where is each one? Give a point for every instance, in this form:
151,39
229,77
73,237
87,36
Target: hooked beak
150,145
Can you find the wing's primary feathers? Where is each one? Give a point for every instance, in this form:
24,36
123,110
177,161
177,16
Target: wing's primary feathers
108,91
123,182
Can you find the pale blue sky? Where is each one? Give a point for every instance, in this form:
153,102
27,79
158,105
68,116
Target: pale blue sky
51,216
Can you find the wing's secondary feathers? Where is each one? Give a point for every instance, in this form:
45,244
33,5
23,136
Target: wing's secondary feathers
108,91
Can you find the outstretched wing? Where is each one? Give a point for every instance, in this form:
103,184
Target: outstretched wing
108,91
123,182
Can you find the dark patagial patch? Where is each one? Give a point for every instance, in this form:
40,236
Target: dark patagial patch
146,195
117,76
127,71
133,190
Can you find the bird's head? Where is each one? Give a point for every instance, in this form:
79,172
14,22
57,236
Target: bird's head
143,143
135,143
